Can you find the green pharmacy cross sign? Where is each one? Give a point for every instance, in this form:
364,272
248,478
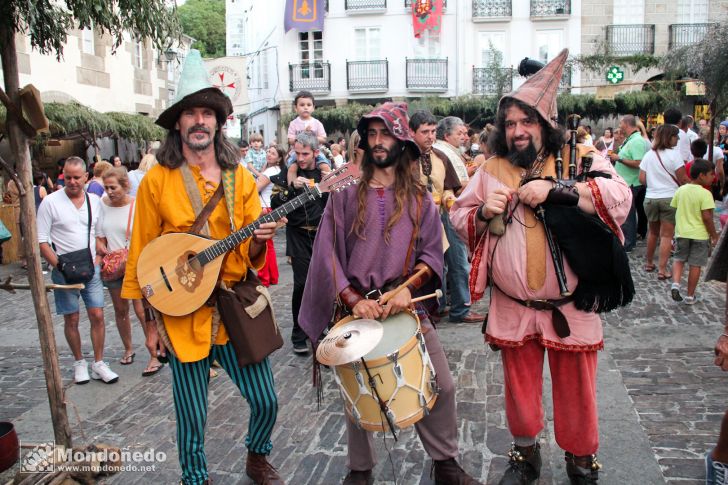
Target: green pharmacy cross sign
615,75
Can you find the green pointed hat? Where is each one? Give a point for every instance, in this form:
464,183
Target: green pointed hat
195,90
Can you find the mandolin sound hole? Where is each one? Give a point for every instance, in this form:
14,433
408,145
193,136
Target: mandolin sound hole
189,271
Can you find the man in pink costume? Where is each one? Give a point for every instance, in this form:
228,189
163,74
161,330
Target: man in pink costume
525,297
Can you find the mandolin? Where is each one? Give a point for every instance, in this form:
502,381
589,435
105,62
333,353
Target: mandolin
178,272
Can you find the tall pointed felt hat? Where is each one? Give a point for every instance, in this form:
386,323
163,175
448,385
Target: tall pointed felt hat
540,90
195,90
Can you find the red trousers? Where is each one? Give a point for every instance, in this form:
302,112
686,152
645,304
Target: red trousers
574,378
268,274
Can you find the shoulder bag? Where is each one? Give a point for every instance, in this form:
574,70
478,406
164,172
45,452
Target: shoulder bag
245,309
113,265
78,266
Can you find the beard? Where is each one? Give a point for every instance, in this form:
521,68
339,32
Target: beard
389,160
523,158
197,145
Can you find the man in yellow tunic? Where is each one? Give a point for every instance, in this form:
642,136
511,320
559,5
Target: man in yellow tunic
197,151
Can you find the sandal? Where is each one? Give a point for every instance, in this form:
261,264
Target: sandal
663,276
649,267
128,359
152,369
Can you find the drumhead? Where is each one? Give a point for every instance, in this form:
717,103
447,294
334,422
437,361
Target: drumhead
398,329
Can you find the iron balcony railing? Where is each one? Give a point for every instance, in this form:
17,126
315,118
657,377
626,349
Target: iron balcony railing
315,76
367,75
427,74
492,8
488,80
687,34
547,8
364,4
408,3
626,40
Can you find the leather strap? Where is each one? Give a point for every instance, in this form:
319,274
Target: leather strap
128,224
558,319
207,210
659,159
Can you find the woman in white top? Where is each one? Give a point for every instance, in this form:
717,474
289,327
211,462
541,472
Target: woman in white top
275,164
662,170
116,215
136,176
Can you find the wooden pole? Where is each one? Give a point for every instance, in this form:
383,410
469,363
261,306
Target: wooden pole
19,148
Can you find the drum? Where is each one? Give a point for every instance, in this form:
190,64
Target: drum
403,374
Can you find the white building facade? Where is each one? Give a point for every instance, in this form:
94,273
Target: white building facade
367,51
136,79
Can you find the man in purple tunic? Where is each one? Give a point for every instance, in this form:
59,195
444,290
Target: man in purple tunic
372,237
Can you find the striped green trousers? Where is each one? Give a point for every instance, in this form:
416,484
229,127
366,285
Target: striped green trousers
189,386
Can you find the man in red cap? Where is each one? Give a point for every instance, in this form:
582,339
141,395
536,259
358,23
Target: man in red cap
372,237
528,313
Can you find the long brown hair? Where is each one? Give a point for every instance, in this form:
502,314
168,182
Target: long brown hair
170,152
408,191
663,135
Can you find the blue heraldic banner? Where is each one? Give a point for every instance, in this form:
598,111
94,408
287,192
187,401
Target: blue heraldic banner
304,15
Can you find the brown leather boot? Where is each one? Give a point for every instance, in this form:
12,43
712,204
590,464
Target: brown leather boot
524,465
260,471
582,470
356,477
449,472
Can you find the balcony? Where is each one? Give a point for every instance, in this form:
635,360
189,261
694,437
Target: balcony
492,8
491,81
371,76
355,5
426,74
314,77
550,8
682,35
627,40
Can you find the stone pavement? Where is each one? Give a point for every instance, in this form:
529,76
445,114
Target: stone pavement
660,398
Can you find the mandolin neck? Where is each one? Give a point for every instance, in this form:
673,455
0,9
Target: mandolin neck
233,240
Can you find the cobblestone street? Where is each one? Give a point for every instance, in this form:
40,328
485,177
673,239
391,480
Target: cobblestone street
661,399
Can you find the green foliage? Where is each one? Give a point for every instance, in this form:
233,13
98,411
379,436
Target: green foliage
77,118
600,62
476,111
71,119
705,61
47,22
204,20
135,127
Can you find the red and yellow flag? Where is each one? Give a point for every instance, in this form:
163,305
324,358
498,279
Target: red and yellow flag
426,14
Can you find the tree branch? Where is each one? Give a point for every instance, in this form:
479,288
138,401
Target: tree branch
13,175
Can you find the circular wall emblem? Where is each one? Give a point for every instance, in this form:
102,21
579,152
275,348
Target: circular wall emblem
226,80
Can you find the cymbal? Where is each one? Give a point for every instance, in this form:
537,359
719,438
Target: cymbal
349,342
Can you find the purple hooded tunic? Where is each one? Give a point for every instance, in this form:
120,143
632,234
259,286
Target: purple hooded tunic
340,258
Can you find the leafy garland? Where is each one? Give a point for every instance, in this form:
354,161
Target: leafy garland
70,119
479,110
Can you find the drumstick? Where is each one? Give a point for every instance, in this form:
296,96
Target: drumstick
436,294
383,301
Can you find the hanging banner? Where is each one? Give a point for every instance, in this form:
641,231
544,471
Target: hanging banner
304,15
426,14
